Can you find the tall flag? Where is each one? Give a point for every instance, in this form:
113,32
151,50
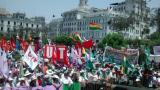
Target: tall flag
4,70
147,52
37,44
18,47
13,43
95,26
126,65
23,44
31,58
3,43
76,37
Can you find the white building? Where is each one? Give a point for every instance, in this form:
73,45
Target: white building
11,22
78,19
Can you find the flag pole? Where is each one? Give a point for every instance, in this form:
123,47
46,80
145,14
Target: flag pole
104,52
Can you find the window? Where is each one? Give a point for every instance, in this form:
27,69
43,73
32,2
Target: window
8,29
14,23
1,28
26,24
21,24
133,6
2,21
37,26
8,22
32,25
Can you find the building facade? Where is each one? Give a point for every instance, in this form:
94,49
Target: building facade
78,19
15,21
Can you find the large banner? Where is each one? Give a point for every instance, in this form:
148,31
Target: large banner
118,55
58,53
156,50
31,58
4,70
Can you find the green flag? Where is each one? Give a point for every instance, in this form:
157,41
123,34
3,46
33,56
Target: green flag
126,65
89,65
147,52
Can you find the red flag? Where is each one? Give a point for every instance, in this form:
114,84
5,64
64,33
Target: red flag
88,44
8,47
24,45
13,43
3,43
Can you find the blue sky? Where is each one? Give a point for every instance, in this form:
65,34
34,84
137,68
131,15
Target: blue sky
47,8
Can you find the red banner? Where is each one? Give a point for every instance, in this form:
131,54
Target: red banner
57,53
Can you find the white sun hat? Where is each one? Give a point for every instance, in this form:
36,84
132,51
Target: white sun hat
22,78
27,73
46,76
10,79
39,74
34,77
55,76
50,72
46,60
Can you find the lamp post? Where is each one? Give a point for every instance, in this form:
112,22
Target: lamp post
56,26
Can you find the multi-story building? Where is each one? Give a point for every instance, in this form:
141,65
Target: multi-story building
78,19
11,22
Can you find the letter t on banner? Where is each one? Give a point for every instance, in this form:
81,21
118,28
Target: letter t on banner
62,54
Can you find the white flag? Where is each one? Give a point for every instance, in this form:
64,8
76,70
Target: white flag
31,58
3,64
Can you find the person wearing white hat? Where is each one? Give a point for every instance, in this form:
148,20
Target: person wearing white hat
56,83
27,76
21,82
27,73
9,83
33,82
39,79
46,81
66,80
50,72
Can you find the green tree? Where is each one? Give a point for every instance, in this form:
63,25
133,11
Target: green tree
114,40
64,40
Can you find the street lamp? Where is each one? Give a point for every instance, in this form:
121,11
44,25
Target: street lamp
56,26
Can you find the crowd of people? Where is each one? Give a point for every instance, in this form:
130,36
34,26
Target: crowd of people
76,77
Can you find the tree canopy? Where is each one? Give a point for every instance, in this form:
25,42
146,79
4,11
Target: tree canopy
114,40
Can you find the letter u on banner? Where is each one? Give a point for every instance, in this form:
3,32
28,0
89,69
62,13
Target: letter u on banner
48,51
61,52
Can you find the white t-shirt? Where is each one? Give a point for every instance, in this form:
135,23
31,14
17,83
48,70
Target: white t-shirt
158,79
66,80
154,78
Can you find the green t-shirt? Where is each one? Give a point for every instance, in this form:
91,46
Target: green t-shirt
66,87
75,86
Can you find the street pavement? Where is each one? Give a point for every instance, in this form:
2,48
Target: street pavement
121,87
